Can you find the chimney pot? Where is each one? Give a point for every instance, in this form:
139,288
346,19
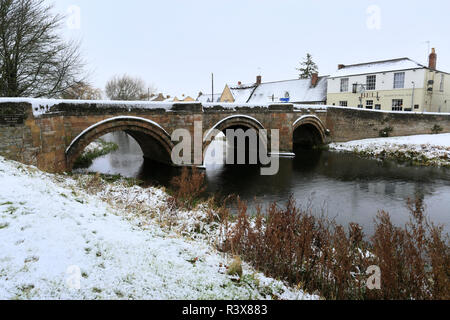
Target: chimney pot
433,59
239,83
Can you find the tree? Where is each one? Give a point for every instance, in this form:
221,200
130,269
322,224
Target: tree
128,88
82,91
34,59
308,67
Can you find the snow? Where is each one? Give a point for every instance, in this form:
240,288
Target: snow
431,149
51,227
299,90
208,98
306,117
377,67
42,106
242,94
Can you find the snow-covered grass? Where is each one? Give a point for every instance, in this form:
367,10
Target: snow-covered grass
431,150
125,240
94,150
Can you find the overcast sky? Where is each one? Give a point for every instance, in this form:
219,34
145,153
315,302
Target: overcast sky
177,44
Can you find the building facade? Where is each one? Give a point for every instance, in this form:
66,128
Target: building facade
297,91
391,85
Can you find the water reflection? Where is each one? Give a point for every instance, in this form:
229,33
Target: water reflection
344,186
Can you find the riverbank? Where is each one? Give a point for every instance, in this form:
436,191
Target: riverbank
126,242
95,150
423,150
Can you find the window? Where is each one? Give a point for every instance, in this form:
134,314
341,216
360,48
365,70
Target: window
371,82
344,85
399,80
442,83
369,104
360,106
397,105
378,107
416,106
343,103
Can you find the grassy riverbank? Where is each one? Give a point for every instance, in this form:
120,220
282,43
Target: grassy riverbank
150,243
127,243
95,150
421,150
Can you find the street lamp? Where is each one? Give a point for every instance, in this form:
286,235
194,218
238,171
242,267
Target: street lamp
412,101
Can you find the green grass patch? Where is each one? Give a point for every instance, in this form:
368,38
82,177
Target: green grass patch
87,158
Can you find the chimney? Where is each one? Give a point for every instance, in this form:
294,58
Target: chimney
239,83
258,80
433,59
314,80
341,66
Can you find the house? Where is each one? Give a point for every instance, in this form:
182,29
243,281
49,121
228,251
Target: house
391,85
158,98
298,91
208,98
183,99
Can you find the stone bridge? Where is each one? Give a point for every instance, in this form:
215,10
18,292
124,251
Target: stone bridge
52,134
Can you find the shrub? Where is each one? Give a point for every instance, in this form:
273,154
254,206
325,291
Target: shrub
436,129
319,255
386,132
188,188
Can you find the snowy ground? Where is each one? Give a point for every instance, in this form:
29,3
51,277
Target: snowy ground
420,149
116,242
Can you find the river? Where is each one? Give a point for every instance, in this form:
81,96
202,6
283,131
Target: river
342,186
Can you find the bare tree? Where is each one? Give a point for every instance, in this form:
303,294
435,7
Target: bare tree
128,88
34,59
82,91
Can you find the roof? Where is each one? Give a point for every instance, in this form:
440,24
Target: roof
378,67
207,98
242,93
298,91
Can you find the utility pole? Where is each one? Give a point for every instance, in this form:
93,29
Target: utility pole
212,83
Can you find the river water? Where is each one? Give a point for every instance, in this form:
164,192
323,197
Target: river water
340,185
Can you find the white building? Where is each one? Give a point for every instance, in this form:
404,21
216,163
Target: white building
394,85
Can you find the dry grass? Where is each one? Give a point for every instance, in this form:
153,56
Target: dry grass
318,255
188,188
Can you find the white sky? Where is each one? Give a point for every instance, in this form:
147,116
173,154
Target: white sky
177,44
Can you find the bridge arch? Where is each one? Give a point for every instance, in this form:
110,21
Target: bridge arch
154,141
309,130
239,121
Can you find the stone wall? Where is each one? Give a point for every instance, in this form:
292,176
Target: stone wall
348,124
